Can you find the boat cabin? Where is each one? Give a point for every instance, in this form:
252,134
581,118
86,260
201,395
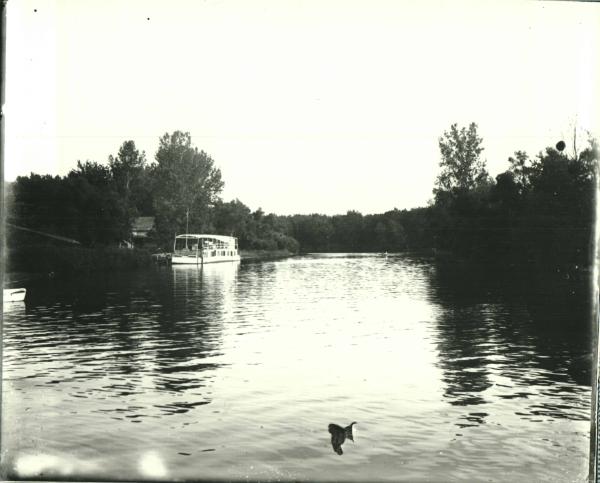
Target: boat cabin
197,249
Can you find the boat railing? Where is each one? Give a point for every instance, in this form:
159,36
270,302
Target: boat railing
185,251
204,247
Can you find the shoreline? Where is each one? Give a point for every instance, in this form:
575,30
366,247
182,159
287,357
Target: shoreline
260,255
46,261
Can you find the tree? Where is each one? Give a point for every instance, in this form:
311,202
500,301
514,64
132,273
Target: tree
41,203
313,232
126,170
348,231
522,170
126,167
133,179
557,222
187,185
395,232
232,219
96,174
96,210
461,164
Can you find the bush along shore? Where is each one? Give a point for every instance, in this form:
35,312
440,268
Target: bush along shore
265,254
57,259
74,259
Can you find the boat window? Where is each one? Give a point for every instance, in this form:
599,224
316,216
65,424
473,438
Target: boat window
185,243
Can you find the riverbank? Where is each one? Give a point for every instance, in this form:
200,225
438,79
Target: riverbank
54,259
42,260
265,254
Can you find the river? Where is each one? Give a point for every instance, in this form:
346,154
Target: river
235,371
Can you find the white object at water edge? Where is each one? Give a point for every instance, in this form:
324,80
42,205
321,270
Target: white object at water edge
14,294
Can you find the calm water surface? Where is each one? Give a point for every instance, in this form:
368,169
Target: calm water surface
235,372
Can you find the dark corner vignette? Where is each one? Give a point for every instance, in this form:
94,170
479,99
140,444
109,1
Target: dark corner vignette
595,314
2,204
198,347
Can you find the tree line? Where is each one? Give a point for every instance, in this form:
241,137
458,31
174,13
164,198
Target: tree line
96,204
538,211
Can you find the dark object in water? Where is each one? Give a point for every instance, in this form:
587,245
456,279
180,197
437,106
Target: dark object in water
162,258
560,146
339,435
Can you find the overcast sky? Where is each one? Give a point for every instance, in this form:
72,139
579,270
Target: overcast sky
306,106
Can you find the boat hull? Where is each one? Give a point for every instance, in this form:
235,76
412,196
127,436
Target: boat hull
188,260
14,294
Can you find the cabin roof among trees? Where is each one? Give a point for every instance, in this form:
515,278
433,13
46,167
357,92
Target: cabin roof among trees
143,223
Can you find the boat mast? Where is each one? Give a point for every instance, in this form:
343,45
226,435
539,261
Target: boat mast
187,219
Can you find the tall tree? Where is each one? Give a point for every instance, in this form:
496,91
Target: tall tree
461,164
133,178
188,184
126,167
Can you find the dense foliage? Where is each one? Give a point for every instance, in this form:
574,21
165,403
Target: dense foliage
539,211
84,205
187,186
353,232
96,204
253,229
65,259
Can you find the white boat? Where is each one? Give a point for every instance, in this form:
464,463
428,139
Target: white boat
201,249
14,294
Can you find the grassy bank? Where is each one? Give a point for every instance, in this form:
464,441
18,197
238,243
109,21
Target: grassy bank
74,259
265,254
44,258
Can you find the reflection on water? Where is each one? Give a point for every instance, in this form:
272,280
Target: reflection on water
232,371
510,336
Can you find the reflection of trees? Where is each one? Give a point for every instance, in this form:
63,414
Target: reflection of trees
165,325
465,373
490,314
466,330
561,315
257,281
190,325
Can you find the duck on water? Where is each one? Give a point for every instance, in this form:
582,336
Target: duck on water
339,435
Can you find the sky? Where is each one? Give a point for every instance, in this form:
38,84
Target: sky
317,106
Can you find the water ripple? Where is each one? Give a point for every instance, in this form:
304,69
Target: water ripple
236,371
